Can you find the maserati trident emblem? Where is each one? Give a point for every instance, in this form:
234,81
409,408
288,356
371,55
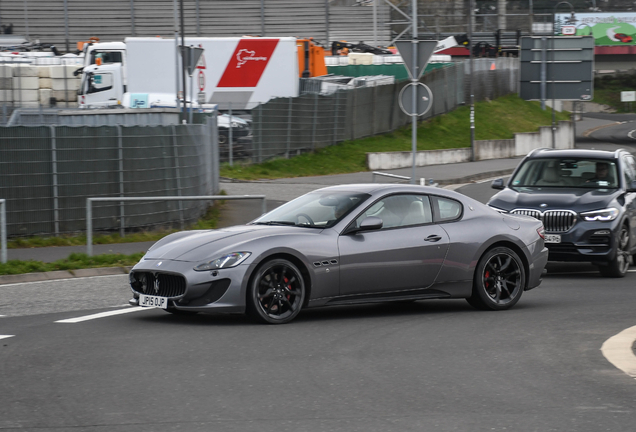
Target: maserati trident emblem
159,263
156,284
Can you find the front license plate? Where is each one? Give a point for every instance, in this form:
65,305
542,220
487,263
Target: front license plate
552,238
153,301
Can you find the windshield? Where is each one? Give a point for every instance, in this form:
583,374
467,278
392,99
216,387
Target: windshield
562,172
315,210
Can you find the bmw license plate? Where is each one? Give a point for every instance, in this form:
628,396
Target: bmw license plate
153,301
552,238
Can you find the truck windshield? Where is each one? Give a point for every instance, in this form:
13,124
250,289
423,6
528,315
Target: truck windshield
106,56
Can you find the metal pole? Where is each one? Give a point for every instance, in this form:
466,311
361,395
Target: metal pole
56,211
289,127
26,20
531,18
262,17
3,230
132,17
198,19
230,137
68,49
327,21
183,62
472,79
89,227
177,172
176,52
414,80
375,23
552,80
120,145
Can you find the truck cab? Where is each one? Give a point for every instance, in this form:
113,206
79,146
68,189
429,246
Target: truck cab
102,86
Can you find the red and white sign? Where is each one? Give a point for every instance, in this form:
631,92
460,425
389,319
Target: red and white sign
248,62
201,79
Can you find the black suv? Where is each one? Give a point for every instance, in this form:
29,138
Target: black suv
586,200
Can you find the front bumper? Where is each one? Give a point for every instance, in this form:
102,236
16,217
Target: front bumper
218,291
586,242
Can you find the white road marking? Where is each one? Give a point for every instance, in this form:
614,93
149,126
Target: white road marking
6,336
619,351
102,315
631,134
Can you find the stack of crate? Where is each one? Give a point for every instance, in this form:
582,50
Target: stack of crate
29,86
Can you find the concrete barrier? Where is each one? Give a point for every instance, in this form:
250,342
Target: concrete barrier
521,145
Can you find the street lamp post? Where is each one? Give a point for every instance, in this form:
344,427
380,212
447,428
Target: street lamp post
552,74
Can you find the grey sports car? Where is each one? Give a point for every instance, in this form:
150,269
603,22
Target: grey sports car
344,245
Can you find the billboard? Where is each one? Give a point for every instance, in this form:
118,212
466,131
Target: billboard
607,28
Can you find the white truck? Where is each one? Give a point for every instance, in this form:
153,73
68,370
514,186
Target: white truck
232,72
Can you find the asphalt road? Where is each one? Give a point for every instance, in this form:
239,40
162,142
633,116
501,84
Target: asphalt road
74,357
423,366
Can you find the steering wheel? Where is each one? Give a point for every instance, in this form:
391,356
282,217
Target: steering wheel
306,216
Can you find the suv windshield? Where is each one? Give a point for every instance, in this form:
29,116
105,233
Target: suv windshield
570,173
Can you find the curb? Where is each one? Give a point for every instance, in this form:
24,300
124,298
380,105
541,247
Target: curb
62,274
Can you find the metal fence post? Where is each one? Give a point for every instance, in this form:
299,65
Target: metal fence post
56,208
313,131
120,145
89,226
335,118
177,173
289,127
230,138
260,133
3,231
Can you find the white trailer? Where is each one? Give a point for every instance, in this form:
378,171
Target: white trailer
237,73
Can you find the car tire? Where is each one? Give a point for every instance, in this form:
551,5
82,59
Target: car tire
276,292
617,268
499,280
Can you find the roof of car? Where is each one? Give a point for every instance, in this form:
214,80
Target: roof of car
574,153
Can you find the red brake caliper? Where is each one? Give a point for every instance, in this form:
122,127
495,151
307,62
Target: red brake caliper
288,287
486,276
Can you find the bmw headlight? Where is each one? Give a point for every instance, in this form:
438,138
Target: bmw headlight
604,215
226,261
498,209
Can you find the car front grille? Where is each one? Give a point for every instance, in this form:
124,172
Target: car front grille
158,284
554,221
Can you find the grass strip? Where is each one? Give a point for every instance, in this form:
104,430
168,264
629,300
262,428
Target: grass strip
75,261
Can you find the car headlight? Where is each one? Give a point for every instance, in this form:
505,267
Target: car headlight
226,261
604,215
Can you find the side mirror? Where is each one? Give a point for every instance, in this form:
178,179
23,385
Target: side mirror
632,186
497,184
369,224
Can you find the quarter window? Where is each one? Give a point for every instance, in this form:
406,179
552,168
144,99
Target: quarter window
446,209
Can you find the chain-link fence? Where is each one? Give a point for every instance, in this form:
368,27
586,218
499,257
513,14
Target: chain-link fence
47,172
285,127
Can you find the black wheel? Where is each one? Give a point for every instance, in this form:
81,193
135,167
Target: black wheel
499,280
223,139
304,216
276,293
617,268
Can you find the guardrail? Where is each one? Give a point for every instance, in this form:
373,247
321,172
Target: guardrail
89,207
3,231
422,181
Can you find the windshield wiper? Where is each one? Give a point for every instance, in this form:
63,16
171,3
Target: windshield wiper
281,222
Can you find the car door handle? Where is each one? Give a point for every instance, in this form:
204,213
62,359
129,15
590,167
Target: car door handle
433,238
